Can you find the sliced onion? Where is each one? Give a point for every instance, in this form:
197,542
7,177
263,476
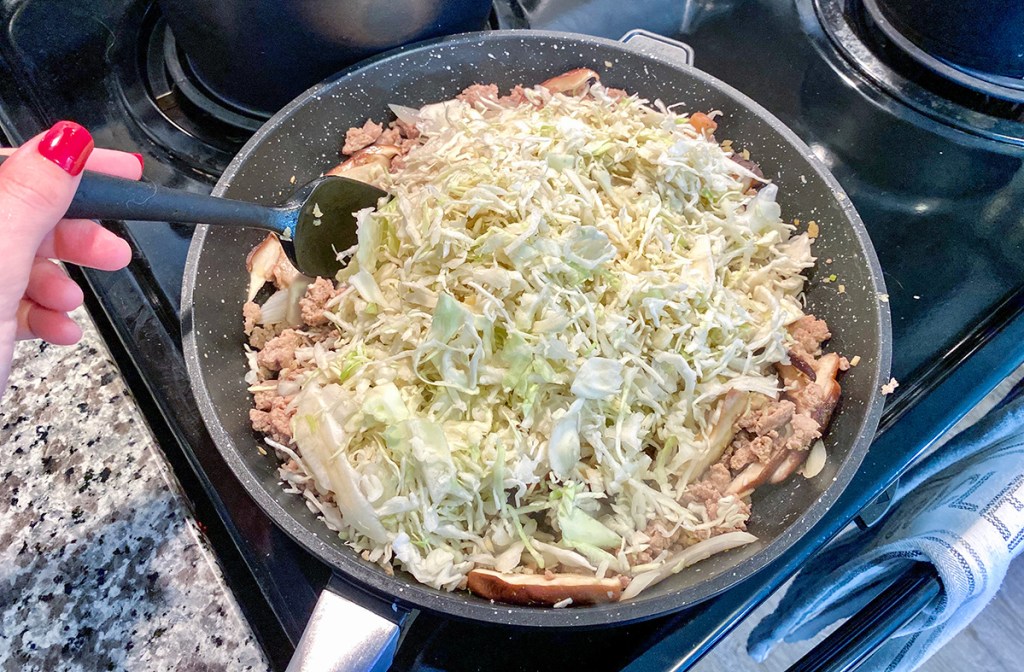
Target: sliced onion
407,115
815,460
296,291
562,556
509,559
287,388
686,557
275,309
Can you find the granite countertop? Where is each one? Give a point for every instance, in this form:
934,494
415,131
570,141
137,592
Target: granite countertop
102,566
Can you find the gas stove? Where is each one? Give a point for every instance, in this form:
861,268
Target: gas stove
932,160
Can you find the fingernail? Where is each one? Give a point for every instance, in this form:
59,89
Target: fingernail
68,145
142,162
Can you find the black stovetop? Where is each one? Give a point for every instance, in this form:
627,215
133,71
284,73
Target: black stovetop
941,196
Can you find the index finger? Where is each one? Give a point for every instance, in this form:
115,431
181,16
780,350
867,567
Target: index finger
109,161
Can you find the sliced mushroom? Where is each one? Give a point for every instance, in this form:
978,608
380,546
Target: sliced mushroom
819,402
802,365
793,460
540,590
732,407
267,262
571,82
746,181
827,366
822,411
756,475
368,164
814,391
260,263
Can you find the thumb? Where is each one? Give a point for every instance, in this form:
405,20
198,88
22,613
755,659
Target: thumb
37,183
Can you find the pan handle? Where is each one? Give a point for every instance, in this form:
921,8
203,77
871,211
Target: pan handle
658,46
349,631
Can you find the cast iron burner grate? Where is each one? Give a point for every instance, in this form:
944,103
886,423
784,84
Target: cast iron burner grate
177,78
169,103
955,96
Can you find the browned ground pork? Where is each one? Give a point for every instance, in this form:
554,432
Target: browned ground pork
478,93
276,347
272,416
809,333
315,300
359,137
772,438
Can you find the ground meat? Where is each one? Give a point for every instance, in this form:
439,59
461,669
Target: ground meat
804,430
707,493
359,137
660,540
279,352
312,304
283,273
748,449
407,130
261,335
390,136
251,314
771,417
401,135
406,144
475,94
264,399
769,430
718,476
816,401
809,333
276,422
517,96
704,492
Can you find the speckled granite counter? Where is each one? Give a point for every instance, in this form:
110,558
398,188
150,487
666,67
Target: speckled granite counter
101,564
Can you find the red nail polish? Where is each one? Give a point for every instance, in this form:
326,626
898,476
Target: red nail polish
142,162
68,145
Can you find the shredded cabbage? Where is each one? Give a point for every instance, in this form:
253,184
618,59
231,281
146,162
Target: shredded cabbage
546,317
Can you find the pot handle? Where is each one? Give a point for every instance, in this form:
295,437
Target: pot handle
349,631
658,46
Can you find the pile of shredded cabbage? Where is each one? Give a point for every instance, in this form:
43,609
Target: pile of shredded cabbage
535,336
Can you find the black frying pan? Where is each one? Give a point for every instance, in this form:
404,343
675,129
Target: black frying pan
303,139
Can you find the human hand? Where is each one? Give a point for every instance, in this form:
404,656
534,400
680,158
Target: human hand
37,182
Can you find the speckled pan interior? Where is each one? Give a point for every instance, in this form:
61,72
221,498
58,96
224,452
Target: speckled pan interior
303,139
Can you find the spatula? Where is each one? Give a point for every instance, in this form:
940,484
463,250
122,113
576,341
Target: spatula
313,225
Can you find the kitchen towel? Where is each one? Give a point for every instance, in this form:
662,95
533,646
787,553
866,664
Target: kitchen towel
960,509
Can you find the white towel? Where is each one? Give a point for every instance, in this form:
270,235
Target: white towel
961,509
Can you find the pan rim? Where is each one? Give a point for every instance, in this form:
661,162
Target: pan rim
345,563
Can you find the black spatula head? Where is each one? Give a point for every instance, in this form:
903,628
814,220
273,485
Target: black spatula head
325,224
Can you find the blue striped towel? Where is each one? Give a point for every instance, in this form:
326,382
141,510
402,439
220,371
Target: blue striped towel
961,509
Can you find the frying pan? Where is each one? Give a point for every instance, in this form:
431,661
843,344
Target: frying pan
302,140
